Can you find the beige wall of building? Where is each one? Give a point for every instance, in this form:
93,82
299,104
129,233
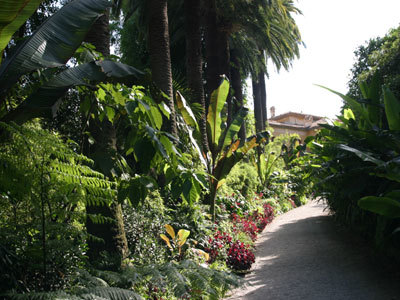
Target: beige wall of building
295,123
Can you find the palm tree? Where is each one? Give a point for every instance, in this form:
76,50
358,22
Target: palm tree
160,54
278,41
154,16
194,61
265,21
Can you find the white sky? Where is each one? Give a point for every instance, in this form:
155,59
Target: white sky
332,30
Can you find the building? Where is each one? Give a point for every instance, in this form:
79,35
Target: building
291,122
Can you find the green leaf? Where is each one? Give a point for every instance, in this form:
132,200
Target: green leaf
353,104
165,109
144,152
156,117
53,44
45,101
185,111
191,190
170,230
153,135
233,129
217,101
363,155
110,113
392,109
183,234
393,194
13,14
384,206
348,114
196,147
372,92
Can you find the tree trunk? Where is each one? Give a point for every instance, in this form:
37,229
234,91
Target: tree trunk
194,62
160,57
257,103
263,95
236,82
217,51
104,150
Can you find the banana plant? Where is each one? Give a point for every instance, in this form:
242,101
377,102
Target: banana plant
226,149
48,50
13,14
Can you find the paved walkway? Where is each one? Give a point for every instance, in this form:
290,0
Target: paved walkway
304,255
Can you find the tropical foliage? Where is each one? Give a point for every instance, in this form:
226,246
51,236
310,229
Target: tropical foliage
363,144
112,185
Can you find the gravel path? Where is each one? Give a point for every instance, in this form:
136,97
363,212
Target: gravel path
303,255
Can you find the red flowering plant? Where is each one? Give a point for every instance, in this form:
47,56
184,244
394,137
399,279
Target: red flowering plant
240,257
263,219
245,224
217,245
253,223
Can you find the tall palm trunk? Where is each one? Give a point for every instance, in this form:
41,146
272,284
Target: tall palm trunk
236,83
194,61
257,103
160,56
217,51
105,148
263,98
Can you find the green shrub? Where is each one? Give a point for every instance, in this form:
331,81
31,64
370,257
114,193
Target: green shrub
242,179
143,226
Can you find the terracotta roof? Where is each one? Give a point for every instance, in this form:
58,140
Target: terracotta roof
289,126
290,113
316,121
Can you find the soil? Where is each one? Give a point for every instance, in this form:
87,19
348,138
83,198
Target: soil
303,254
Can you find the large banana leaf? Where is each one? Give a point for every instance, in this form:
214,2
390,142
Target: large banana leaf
385,206
45,101
217,101
54,43
229,134
260,138
13,14
355,106
235,153
392,109
361,154
372,92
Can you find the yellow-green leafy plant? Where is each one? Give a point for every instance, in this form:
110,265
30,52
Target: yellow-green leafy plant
177,241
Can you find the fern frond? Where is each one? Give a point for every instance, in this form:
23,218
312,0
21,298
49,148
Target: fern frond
112,293
40,296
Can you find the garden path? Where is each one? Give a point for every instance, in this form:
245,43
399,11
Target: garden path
303,254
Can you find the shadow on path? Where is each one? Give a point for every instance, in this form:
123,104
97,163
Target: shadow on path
304,255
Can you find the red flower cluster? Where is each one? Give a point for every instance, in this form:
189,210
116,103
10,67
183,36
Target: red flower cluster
264,219
240,257
246,225
254,223
217,243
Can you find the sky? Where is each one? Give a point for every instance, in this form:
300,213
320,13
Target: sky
332,30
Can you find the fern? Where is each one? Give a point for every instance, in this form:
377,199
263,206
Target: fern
181,278
40,296
97,293
110,293
44,187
